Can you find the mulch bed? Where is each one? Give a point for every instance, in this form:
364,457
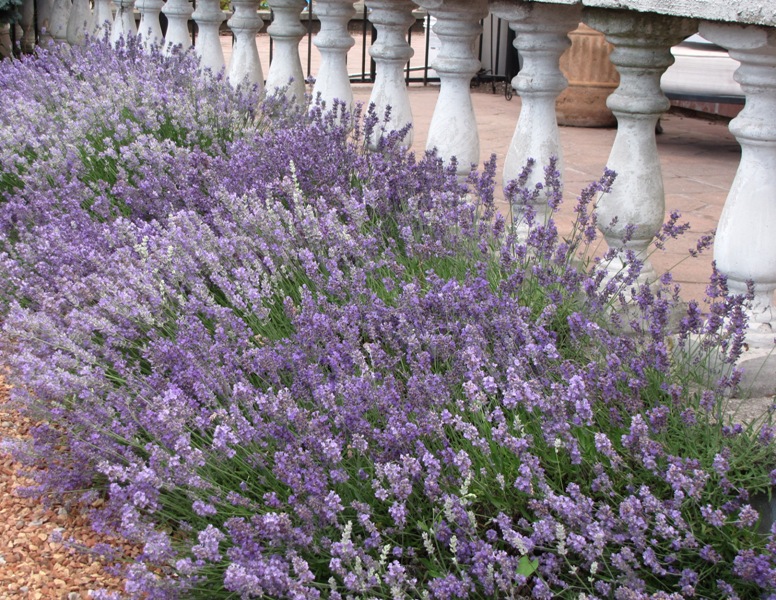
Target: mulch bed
32,564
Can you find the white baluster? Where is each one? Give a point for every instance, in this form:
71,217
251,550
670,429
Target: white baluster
745,245
79,21
28,26
178,13
541,38
245,23
103,17
453,129
333,41
60,14
642,52
124,25
149,28
209,17
391,52
285,70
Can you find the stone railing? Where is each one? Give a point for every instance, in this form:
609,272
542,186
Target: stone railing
641,32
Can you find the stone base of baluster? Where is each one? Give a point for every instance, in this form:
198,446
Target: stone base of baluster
758,382
620,266
761,335
761,331
753,397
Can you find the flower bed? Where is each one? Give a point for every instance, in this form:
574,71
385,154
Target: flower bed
295,368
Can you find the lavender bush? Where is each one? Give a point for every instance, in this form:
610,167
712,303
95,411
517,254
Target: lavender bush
293,368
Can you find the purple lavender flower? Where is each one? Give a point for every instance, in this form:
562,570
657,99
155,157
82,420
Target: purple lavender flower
348,377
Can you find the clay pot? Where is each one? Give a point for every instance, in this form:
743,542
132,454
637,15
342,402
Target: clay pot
591,77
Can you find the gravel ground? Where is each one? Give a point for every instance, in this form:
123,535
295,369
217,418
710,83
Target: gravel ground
32,565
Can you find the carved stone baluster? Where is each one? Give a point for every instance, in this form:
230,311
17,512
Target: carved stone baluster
245,23
103,17
28,26
285,70
391,52
209,17
79,21
149,28
453,128
745,245
642,52
60,14
333,42
178,13
124,25
541,38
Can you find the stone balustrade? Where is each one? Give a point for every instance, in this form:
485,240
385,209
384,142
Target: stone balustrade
641,33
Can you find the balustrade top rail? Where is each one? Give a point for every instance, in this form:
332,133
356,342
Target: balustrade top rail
755,12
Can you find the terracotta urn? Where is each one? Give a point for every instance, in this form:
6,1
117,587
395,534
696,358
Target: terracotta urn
591,77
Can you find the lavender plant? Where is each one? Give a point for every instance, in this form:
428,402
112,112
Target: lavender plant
293,368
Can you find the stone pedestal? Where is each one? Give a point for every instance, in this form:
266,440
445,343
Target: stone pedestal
453,129
392,19
634,210
591,79
540,37
745,245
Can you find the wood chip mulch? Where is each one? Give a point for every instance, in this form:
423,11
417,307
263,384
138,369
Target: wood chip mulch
33,565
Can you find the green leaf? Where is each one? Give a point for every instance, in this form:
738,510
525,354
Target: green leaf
526,566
